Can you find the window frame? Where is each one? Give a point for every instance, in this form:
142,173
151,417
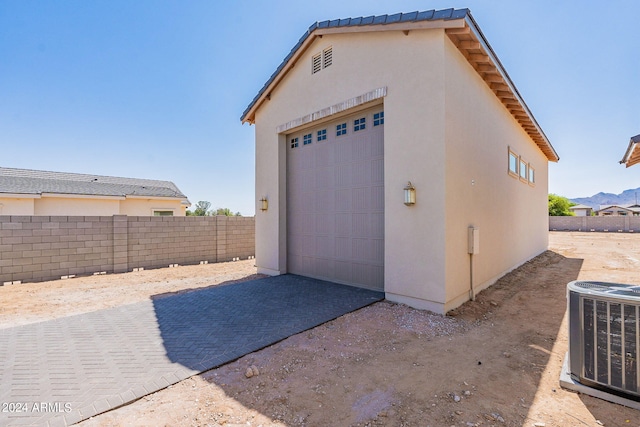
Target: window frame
307,139
341,129
378,119
359,124
321,135
163,212
513,155
523,170
531,176
294,142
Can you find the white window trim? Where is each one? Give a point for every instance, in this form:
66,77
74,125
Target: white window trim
531,169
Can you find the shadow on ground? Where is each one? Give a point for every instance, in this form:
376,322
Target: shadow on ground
356,371
209,327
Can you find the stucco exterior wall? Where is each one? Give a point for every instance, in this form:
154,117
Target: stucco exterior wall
76,206
444,128
510,214
17,206
414,117
87,206
144,207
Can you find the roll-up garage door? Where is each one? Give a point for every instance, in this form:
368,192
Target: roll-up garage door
335,200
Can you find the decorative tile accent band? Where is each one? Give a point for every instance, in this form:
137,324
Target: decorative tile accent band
334,109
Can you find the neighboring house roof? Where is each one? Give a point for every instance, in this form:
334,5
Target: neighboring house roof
463,32
27,181
580,207
632,156
628,208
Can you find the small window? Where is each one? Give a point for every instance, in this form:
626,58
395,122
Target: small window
523,170
294,142
513,163
306,140
378,118
341,129
316,63
327,57
322,135
162,213
359,124
532,175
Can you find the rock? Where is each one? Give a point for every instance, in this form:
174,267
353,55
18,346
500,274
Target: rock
456,398
539,424
506,354
255,370
467,393
248,373
498,418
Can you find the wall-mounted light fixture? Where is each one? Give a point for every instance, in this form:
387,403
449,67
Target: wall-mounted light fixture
264,204
409,194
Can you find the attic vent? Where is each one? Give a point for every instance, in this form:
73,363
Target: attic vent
321,60
316,63
327,57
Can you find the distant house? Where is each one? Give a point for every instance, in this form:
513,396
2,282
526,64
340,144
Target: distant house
380,141
34,192
581,210
619,210
632,155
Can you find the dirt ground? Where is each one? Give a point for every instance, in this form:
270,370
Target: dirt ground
492,362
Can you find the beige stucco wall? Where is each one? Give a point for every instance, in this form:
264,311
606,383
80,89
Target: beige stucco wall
510,214
145,207
428,85
87,206
16,206
75,206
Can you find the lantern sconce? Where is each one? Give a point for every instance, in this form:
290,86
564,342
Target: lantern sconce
409,194
264,204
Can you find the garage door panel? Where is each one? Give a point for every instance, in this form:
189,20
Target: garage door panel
343,175
361,199
335,204
325,247
325,201
343,271
325,223
360,224
377,171
343,200
377,199
377,225
325,154
325,178
361,250
343,224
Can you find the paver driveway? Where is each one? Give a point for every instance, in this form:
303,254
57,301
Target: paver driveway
65,370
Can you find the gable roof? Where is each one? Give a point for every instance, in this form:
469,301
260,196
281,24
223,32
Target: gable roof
461,29
632,155
580,207
27,181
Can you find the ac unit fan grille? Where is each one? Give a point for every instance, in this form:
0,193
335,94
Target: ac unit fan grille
610,344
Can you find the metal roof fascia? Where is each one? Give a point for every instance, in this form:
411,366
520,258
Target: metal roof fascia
487,47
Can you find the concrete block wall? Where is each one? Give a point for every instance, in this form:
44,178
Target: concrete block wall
38,248
595,223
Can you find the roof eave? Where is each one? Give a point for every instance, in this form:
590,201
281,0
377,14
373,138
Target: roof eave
527,121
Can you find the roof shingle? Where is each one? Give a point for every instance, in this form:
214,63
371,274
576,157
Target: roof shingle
27,181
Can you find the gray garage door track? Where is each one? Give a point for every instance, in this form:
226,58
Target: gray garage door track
62,371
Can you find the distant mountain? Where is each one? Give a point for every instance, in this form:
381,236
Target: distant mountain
627,197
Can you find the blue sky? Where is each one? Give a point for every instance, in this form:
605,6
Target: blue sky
155,89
